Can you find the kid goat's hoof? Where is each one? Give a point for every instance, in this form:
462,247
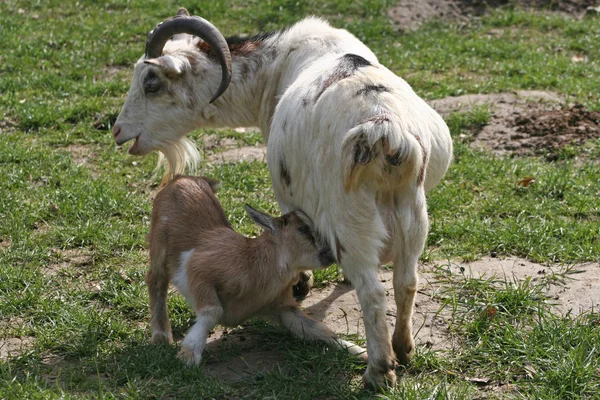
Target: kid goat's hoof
161,338
189,357
302,288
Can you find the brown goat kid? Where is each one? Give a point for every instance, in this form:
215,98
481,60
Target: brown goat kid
226,277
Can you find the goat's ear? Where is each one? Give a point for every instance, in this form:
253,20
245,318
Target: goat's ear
305,218
261,219
171,66
214,184
183,11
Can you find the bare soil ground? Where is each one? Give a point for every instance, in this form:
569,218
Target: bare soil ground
409,14
336,304
526,122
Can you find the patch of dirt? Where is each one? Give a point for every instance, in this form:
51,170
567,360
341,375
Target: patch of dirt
80,154
229,149
212,142
571,290
14,346
526,122
112,72
574,289
234,354
337,305
248,153
5,243
7,124
544,132
409,14
69,259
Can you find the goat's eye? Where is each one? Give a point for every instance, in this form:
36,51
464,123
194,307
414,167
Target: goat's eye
152,86
152,83
307,232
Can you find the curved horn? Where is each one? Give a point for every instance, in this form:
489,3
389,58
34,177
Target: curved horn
196,26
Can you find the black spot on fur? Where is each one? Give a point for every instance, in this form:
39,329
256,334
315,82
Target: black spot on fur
348,64
372,89
354,61
394,159
284,174
362,152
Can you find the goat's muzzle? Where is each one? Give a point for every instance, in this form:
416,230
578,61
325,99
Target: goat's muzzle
116,130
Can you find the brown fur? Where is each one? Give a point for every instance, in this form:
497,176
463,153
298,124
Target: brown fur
228,275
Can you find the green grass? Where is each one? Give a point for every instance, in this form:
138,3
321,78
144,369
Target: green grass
74,209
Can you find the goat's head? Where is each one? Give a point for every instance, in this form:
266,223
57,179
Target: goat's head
163,104
294,234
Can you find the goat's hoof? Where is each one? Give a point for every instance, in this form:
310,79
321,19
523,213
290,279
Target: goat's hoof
162,338
189,357
302,288
379,381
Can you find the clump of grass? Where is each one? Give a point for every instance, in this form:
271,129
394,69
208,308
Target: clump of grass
469,122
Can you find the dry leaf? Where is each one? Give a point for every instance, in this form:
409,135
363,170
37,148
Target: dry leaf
479,381
491,311
527,181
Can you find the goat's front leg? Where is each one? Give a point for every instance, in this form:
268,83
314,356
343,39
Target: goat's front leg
306,328
408,243
208,313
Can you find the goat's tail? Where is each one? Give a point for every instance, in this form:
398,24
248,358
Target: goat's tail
380,151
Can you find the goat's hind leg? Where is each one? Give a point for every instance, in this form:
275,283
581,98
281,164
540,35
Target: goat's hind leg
408,243
306,328
371,294
158,285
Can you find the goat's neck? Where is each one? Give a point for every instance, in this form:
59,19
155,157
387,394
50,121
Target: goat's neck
251,97
269,259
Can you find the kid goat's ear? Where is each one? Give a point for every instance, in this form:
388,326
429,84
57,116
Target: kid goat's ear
261,219
305,218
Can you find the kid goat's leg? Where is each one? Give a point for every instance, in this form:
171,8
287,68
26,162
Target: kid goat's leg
409,239
304,327
208,313
157,280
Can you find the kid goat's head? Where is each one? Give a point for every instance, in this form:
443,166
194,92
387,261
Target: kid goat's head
295,236
163,103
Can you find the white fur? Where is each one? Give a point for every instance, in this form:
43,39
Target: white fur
364,211
180,279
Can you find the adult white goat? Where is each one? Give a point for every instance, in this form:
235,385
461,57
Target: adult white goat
349,143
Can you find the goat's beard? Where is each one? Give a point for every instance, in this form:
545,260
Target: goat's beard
177,157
